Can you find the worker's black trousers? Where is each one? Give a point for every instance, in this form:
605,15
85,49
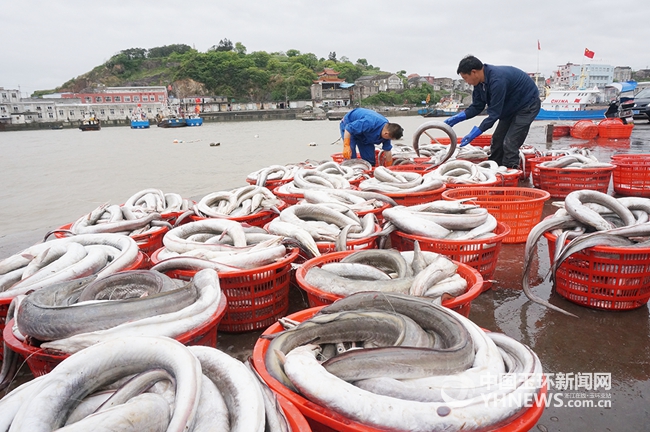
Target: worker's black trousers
511,133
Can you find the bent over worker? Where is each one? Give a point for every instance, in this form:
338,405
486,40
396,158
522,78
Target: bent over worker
511,96
362,129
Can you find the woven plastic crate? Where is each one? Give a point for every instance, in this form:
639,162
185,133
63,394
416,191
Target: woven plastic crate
494,183
416,168
148,242
258,219
413,198
256,297
584,129
41,361
631,176
316,297
480,254
509,179
560,182
322,419
525,165
605,278
484,140
519,208
297,421
533,164
614,128
561,131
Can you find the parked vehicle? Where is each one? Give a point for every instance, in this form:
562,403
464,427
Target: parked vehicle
641,108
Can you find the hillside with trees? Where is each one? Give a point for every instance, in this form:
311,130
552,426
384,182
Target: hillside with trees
226,69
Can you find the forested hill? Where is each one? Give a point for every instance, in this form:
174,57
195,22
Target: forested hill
224,70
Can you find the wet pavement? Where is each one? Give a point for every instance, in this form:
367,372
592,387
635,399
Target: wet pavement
607,344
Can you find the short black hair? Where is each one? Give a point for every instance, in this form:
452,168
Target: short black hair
468,64
396,131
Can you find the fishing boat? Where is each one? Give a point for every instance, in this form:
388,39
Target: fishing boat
139,119
90,124
193,121
445,108
576,104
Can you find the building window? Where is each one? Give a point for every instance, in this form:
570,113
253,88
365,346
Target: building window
71,113
112,111
40,116
108,99
145,98
98,98
83,113
122,111
4,95
127,98
13,95
38,108
61,113
149,110
50,115
136,98
87,99
118,99
160,98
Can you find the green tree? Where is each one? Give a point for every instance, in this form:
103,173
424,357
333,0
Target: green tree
240,48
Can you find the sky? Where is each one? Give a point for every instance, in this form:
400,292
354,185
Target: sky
46,43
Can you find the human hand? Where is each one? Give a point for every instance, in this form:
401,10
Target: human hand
470,136
451,121
388,158
347,150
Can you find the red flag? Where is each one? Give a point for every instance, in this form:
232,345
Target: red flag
589,53
539,47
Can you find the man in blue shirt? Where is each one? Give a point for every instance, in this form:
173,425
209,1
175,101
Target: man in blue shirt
511,97
362,128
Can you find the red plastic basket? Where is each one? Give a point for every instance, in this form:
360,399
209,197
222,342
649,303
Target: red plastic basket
605,278
473,185
338,157
584,129
413,198
480,141
297,421
316,297
509,179
416,168
256,297
533,167
560,182
614,128
526,168
480,254
519,208
41,361
632,174
258,219
323,419
147,242
561,131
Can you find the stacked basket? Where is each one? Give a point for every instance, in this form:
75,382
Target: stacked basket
632,174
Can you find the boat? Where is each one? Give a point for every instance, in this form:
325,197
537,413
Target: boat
172,122
337,114
139,119
90,124
574,104
193,121
445,108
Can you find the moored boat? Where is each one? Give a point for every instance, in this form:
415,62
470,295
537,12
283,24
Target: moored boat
90,124
172,122
139,119
193,121
579,104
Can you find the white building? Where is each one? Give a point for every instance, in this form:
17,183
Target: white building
574,76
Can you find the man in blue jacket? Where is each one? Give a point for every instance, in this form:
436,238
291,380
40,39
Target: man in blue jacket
511,97
362,128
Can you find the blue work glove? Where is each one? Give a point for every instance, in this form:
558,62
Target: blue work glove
451,121
470,136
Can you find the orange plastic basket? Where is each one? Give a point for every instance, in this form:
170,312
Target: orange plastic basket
258,219
480,254
323,419
509,179
614,128
147,242
519,208
41,361
416,168
297,421
256,297
605,278
480,141
526,168
561,131
473,185
632,174
584,129
560,182
316,297
533,167
413,198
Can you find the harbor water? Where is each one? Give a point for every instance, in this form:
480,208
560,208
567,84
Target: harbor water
52,177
